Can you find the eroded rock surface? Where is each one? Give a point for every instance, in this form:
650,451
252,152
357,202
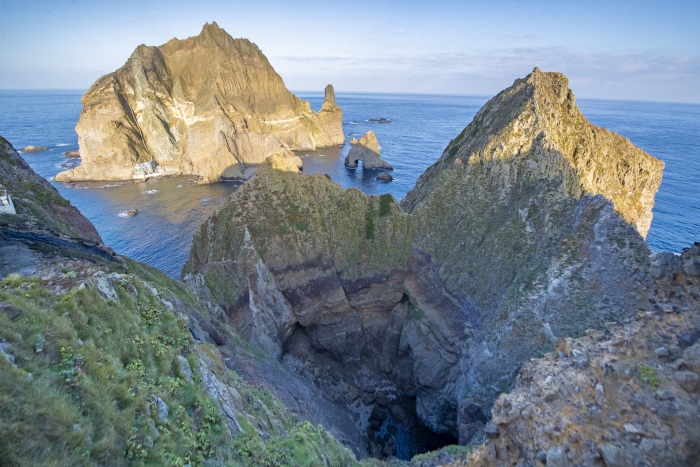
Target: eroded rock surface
208,105
366,150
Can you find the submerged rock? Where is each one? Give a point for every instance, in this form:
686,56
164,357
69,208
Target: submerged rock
366,150
208,105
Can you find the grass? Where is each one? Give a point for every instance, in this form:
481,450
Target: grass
649,375
89,372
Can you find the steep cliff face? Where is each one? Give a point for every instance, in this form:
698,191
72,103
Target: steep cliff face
526,231
307,271
208,105
40,208
530,218
624,395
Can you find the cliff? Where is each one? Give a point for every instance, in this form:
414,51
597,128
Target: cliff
526,231
40,208
107,361
208,105
618,396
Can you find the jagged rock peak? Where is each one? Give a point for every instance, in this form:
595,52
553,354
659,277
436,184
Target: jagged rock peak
536,125
208,105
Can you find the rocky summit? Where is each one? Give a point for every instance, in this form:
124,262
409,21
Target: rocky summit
208,105
528,230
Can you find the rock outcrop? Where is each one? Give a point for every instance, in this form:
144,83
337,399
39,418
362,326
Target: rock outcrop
623,395
366,150
208,105
40,208
526,231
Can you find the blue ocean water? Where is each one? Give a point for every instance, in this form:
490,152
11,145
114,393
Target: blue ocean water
421,126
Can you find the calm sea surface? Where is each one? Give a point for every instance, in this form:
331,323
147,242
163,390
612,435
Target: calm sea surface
171,209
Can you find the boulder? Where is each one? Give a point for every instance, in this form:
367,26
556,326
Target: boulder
384,177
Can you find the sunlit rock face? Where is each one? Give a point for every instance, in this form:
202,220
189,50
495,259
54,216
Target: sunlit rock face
208,105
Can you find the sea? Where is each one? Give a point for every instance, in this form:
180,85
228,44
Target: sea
420,127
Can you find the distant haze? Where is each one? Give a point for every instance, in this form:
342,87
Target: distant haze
641,50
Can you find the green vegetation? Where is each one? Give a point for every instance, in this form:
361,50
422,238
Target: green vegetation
649,375
369,224
385,204
98,381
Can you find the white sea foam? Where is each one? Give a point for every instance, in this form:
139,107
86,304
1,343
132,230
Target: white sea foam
60,145
151,192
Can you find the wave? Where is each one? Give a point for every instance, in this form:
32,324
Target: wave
151,192
60,145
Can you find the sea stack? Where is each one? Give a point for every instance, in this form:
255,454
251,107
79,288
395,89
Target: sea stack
366,150
208,105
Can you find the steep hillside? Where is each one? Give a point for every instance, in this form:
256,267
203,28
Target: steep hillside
107,361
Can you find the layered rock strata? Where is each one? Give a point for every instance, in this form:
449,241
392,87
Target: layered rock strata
527,230
208,105
366,150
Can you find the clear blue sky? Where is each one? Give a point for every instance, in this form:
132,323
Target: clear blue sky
641,50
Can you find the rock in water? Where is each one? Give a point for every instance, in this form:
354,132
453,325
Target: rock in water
35,149
384,177
366,150
208,105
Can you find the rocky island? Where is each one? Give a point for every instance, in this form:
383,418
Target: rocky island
508,304
366,150
208,105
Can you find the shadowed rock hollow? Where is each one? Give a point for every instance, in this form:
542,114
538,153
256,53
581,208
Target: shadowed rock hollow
527,230
208,105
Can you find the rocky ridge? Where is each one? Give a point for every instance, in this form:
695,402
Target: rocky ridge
208,105
522,234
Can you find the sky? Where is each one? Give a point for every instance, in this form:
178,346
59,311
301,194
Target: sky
630,50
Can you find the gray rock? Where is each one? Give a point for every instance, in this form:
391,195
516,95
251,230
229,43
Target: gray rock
664,264
162,409
615,456
688,380
541,456
556,457
39,343
184,369
384,177
691,266
662,352
491,430
10,310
